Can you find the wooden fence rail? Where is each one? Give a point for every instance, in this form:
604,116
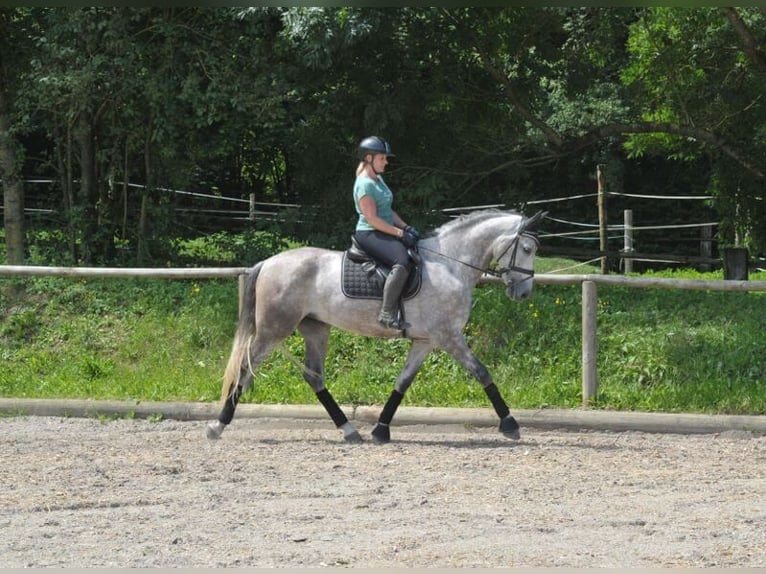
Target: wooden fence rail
588,282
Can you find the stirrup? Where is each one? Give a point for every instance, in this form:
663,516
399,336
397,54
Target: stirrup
393,323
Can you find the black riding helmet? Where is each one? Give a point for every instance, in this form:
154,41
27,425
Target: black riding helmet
374,145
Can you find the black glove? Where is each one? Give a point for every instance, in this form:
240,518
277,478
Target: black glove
413,231
410,237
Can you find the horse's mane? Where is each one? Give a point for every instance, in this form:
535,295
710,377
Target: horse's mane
470,219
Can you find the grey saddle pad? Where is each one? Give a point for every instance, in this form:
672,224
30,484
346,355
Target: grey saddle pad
362,281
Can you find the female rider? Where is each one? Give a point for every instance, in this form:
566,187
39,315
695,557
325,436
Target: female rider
380,231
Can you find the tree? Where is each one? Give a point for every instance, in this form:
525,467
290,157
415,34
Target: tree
482,105
697,76
14,49
144,94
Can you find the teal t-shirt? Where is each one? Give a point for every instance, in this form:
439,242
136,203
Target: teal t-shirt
379,191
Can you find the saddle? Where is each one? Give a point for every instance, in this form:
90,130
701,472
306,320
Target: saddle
363,278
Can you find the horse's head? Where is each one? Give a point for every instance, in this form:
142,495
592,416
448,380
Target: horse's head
516,258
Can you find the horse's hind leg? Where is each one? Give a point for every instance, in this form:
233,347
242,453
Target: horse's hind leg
316,336
418,352
459,349
254,357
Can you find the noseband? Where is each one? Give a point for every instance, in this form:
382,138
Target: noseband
530,273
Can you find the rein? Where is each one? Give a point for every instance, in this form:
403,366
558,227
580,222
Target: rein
503,270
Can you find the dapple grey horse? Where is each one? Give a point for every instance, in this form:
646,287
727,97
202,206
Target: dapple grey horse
300,289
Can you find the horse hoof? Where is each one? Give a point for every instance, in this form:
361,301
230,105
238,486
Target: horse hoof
354,438
214,430
510,428
381,434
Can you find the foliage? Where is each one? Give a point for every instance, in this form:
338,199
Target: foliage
482,105
705,68
143,339
223,249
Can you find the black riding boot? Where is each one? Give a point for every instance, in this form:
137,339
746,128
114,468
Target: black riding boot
392,291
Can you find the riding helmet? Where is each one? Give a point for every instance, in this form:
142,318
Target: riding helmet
374,145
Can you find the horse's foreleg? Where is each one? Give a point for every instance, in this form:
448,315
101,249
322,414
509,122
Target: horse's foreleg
460,350
382,432
317,335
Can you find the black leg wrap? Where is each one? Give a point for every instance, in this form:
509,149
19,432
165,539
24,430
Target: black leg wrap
227,413
390,408
332,408
381,434
497,401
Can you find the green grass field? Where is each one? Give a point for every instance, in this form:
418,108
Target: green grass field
162,340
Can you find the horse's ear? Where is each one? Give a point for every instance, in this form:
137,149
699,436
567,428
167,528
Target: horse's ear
531,223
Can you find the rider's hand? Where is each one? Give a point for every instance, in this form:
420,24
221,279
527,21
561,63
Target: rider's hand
410,237
412,231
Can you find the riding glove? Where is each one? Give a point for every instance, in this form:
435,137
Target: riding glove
410,237
413,231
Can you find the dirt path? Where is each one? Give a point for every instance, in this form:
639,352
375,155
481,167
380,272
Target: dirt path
134,493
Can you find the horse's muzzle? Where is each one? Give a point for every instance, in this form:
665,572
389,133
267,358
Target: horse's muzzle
518,291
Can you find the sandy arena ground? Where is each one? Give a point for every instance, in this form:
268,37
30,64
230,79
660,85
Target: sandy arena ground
136,493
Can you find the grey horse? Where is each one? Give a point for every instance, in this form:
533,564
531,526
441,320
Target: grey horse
300,289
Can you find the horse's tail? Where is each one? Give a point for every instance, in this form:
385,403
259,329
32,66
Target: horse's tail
244,335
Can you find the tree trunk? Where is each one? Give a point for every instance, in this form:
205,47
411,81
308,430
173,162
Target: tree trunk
125,172
143,254
107,208
88,189
13,190
64,163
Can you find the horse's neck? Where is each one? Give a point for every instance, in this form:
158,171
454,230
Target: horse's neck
473,245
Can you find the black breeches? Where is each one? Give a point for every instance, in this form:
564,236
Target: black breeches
385,248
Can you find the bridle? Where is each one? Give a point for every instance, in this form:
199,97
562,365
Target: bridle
530,273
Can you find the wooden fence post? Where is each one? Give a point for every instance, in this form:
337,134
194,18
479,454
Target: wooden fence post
602,224
706,245
589,350
627,263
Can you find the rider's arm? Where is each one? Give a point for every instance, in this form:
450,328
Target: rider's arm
370,212
399,222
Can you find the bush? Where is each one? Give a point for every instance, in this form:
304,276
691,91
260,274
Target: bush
222,248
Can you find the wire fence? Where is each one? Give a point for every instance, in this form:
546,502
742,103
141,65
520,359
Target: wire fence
680,243
690,243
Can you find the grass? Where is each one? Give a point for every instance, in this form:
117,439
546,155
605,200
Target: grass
159,340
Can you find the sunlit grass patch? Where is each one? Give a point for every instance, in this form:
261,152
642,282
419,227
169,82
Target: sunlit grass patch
658,349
